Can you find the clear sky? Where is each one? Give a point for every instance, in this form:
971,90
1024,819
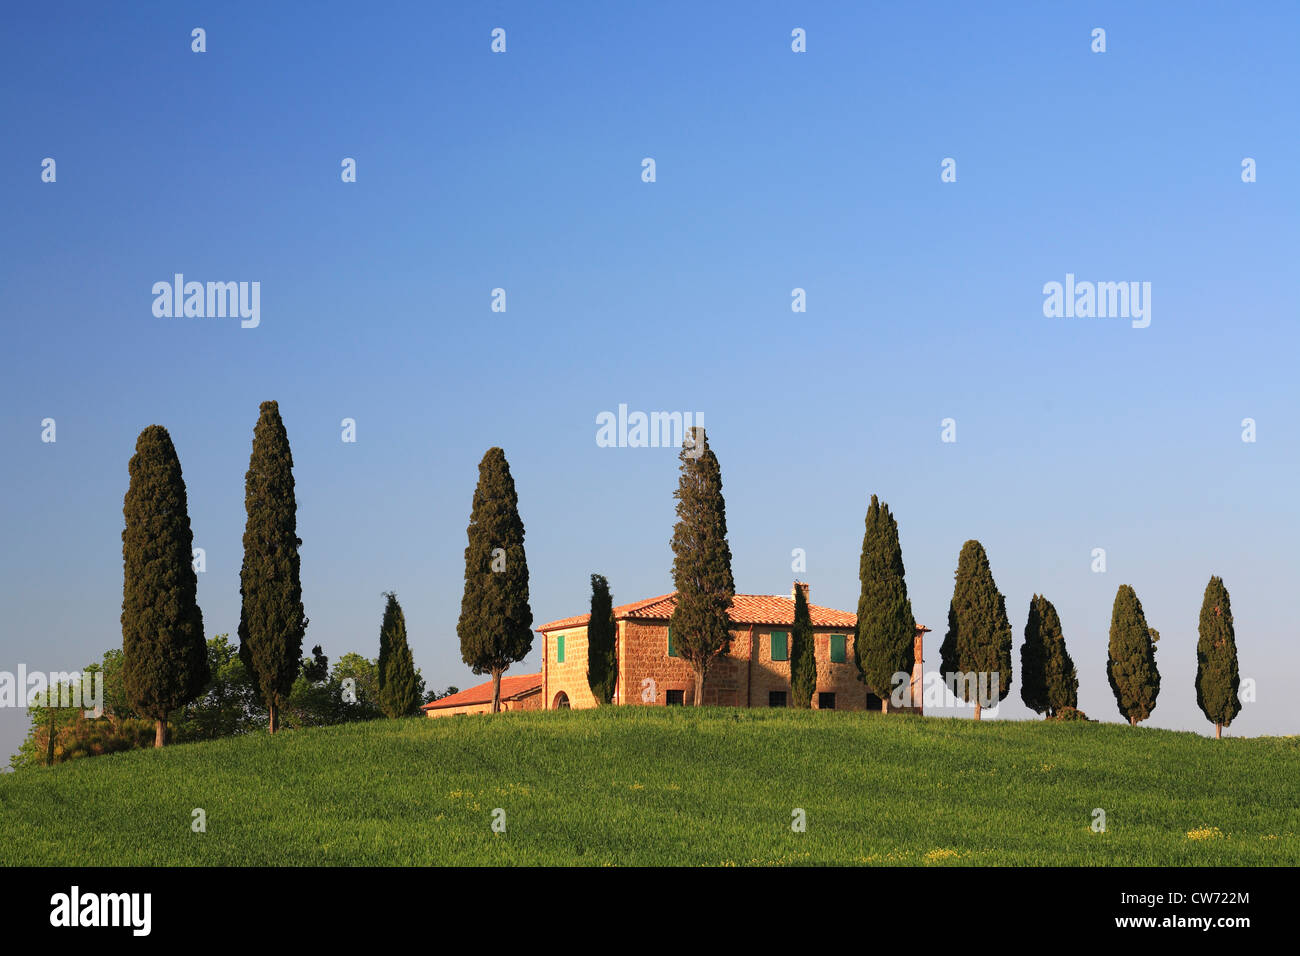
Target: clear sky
775,170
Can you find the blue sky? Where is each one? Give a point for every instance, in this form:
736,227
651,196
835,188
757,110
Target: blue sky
775,170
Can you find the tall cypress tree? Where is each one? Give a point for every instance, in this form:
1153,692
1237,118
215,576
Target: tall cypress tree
495,626
164,655
1048,680
886,631
272,620
977,647
1217,677
701,561
398,694
602,652
803,654
392,614
1131,657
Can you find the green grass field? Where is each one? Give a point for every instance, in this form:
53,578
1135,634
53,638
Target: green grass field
670,786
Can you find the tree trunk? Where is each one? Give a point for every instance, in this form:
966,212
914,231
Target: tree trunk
496,690
977,710
884,705
699,688
160,733
1132,721
272,718
49,756
1218,731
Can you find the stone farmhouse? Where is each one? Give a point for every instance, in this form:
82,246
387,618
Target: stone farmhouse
754,673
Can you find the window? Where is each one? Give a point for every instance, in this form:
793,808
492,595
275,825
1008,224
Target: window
837,649
776,698
780,647
672,651
559,649
675,697
826,701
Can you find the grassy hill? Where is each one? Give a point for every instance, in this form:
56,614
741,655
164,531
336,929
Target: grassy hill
670,786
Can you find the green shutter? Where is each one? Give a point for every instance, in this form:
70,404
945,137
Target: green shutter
837,648
780,646
559,649
672,651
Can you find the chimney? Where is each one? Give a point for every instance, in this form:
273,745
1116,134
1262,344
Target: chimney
799,586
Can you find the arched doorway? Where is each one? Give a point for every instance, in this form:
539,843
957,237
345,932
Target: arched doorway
561,701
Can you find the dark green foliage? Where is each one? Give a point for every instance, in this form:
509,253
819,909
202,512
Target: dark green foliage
229,704
165,660
433,695
1217,677
1131,658
602,650
701,625
393,619
496,622
398,693
1048,681
886,632
1070,713
803,654
979,634
272,619
315,668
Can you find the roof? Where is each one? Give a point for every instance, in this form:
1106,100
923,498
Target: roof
520,685
745,609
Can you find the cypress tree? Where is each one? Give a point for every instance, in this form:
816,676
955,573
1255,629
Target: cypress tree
803,654
700,622
398,694
1217,677
886,631
602,651
272,620
164,655
392,614
1048,680
495,626
977,647
1131,658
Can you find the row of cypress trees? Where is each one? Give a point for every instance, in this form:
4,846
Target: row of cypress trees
978,639
165,663
165,654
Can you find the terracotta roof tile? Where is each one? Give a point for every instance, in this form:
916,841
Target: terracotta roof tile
745,609
517,686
